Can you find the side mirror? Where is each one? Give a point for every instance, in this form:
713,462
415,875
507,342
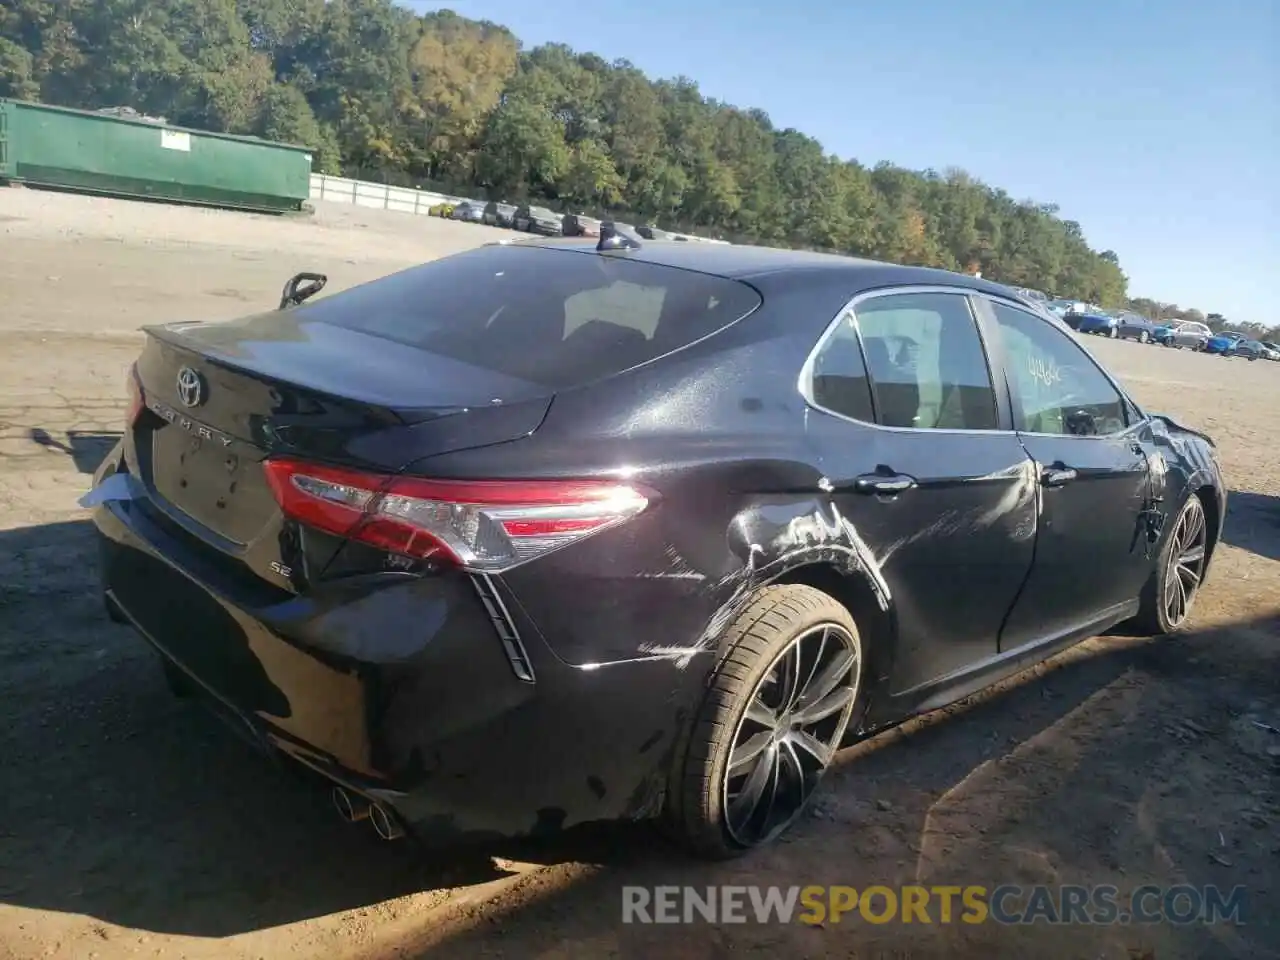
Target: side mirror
302,287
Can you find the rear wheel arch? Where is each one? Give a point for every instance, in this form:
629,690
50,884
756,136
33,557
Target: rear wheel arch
876,625
853,589
774,618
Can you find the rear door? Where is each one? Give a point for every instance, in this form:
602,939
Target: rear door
919,449
1092,461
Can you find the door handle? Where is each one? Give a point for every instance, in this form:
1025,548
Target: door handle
883,483
1057,476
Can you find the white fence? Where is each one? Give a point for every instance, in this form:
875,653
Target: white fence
378,196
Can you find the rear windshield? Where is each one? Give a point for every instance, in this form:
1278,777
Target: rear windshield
557,318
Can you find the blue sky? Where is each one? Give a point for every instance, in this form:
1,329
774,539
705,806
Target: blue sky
1154,124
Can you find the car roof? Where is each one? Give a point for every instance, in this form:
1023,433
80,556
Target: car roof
750,263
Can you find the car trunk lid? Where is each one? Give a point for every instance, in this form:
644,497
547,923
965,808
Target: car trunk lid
221,398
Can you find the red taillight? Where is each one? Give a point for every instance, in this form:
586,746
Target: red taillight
485,525
136,401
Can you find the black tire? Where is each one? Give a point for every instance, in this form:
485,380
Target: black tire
179,684
1154,615
761,644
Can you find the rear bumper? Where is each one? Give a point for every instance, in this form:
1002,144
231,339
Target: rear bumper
401,689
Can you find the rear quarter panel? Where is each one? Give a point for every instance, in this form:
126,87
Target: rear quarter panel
716,429
707,440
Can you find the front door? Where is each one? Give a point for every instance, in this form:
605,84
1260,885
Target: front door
923,464
1095,483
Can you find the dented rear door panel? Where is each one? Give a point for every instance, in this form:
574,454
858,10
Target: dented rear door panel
953,550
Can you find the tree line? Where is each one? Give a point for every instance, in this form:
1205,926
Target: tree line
449,103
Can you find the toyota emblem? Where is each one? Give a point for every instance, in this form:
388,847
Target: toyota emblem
190,387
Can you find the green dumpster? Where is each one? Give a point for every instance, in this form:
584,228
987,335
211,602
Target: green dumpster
124,156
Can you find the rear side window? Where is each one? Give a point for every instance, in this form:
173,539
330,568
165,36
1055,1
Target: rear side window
840,381
926,360
557,318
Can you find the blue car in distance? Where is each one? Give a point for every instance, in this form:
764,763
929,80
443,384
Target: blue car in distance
1244,347
1100,324
1223,343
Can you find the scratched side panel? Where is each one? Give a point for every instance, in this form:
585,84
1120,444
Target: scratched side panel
954,550
663,587
710,432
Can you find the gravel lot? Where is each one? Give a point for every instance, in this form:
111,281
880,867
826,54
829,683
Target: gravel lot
138,828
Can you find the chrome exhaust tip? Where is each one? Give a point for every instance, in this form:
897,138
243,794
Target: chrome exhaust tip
349,809
384,822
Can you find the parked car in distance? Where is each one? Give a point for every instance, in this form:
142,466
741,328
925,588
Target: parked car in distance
1060,308
541,533
1253,349
1183,333
649,232
1131,326
579,225
1271,351
1100,324
499,214
538,220
472,211
1221,343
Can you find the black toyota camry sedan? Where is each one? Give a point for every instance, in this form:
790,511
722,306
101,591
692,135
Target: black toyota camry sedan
563,531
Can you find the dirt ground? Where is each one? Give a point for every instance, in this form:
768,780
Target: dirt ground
136,827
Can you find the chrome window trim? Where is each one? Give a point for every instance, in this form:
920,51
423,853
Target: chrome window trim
1125,399
804,384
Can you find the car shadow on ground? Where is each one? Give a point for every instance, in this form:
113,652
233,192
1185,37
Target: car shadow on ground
86,448
142,811
129,805
1253,523
1118,762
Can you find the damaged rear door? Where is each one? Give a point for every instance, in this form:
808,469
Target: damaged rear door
918,450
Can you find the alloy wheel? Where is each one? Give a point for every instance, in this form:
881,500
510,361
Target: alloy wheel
1186,563
790,731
